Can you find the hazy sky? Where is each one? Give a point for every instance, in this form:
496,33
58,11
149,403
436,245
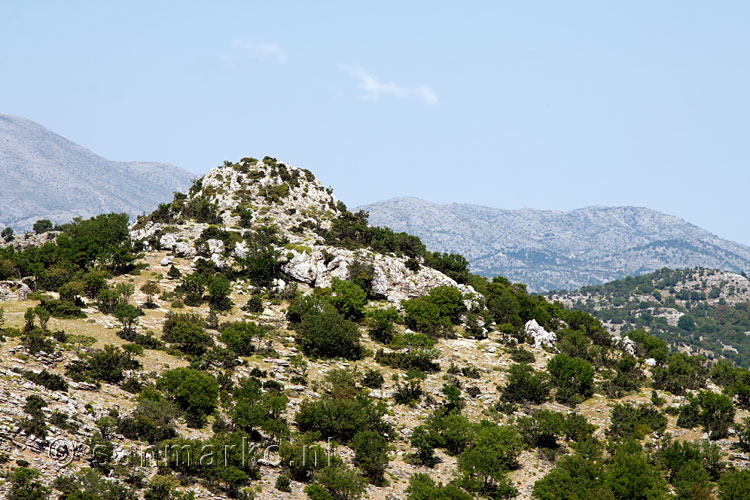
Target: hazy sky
553,105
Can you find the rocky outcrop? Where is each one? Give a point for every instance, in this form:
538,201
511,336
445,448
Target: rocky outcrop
541,337
391,278
13,290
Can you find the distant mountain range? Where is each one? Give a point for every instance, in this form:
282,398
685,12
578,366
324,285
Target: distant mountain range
554,250
46,176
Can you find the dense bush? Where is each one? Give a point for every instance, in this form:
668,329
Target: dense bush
735,486
682,372
187,332
525,385
239,336
108,365
255,409
323,332
24,485
371,455
337,483
573,378
413,351
423,487
628,421
193,391
715,412
152,419
341,418
434,312
51,381
493,452
348,298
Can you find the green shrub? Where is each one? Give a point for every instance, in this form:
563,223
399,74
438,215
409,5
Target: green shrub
436,311
193,391
186,331
525,385
423,487
494,452
573,378
381,324
371,455
239,336
348,298
283,483
628,421
341,418
326,333
341,483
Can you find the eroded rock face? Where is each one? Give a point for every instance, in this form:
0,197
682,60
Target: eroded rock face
391,278
625,344
541,336
13,290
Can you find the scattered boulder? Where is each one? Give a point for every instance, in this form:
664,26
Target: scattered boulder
541,336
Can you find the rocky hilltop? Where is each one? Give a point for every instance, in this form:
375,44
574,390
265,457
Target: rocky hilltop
291,206
45,176
555,250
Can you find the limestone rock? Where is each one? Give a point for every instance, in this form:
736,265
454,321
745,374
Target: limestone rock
13,290
541,336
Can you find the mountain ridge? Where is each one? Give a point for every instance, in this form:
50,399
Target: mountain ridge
45,175
556,249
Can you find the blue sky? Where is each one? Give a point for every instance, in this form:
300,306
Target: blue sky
551,105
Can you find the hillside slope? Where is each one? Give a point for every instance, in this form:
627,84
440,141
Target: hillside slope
254,339
554,250
697,310
44,175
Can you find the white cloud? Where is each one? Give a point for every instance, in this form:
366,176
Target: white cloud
373,89
263,51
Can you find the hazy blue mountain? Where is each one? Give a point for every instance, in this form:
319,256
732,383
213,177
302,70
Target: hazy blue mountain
551,250
44,175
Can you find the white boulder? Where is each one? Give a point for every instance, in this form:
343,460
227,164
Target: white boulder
541,336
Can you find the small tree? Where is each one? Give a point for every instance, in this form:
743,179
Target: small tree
239,336
187,332
717,413
128,316
42,226
348,298
28,318
174,273
219,289
195,392
371,455
573,377
24,485
381,324
326,333
735,486
7,234
494,452
126,290
150,288
341,483
525,385
43,315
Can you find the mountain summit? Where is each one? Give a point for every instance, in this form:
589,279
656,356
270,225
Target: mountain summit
551,250
46,176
